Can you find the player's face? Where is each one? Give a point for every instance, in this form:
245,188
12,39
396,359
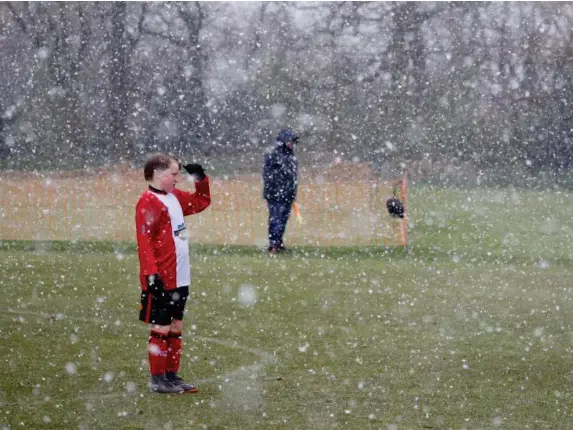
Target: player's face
178,178
169,178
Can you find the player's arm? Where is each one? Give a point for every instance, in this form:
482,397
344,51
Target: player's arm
145,219
269,167
196,202
269,170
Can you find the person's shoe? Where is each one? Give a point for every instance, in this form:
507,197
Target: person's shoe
160,384
272,250
178,381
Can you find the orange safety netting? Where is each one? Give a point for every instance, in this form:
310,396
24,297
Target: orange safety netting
100,206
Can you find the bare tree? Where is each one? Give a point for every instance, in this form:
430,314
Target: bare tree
123,42
59,35
182,24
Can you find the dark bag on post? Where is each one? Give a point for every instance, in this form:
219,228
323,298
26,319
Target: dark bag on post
395,207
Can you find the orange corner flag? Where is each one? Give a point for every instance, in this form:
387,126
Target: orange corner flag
296,212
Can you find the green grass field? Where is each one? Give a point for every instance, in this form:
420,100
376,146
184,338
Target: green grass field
471,327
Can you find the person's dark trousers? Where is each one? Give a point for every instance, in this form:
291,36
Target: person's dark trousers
279,212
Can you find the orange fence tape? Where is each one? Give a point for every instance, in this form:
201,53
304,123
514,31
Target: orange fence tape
102,208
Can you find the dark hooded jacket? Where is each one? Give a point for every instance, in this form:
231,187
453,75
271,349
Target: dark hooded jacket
280,174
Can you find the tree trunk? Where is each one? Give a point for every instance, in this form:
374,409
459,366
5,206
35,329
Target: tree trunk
122,143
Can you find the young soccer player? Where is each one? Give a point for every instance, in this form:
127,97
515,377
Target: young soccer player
164,263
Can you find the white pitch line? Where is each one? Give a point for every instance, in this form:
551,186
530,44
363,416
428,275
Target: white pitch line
266,357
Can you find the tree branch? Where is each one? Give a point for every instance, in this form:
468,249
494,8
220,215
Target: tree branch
176,41
19,20
134,39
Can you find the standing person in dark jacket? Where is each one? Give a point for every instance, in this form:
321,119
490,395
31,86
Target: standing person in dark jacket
280,180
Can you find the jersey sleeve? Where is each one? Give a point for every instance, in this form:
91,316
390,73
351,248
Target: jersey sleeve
193,203
145,223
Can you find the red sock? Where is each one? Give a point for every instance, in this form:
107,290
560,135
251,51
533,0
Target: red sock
173,352
157,353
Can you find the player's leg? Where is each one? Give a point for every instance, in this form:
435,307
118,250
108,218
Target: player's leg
274,225
175,345
283,216
154,311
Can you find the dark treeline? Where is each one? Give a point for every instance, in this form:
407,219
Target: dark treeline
478,87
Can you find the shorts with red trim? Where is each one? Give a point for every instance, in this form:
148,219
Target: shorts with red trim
163,309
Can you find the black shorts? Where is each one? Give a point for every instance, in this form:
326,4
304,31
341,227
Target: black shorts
163,310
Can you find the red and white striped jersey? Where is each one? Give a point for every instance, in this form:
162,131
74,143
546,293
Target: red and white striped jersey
162,237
